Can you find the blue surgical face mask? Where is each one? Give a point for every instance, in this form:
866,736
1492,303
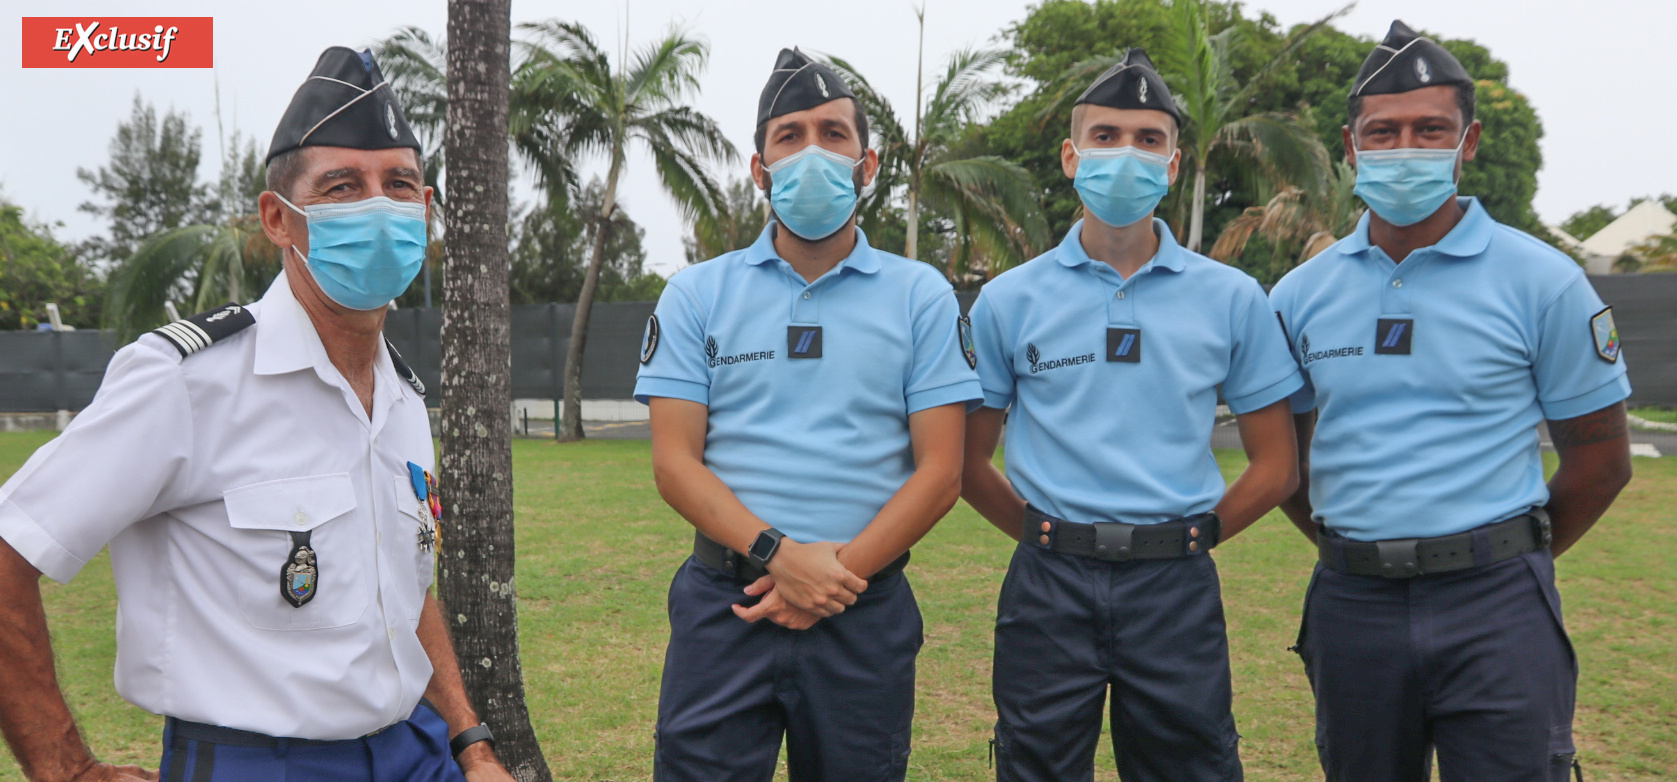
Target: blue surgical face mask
1405,186
1120,185
813,191
365,253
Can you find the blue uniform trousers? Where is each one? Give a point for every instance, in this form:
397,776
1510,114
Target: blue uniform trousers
414,750
1474,665
841,692
1068,628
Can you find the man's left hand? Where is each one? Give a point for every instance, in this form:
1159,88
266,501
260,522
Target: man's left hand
479,764
774,608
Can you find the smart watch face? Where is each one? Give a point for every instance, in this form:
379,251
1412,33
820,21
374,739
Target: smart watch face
767,542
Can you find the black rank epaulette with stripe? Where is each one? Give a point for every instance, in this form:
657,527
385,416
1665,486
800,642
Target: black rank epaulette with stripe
200,331
403,369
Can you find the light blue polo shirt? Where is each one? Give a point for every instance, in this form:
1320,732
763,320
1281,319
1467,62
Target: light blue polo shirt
813,446
1434,431
1091,439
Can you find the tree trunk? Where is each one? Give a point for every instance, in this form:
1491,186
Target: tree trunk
1196,219
570,424
476,471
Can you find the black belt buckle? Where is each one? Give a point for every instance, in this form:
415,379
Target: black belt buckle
1113,541
1399,558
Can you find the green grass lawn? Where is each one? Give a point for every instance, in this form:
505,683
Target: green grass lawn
597,548
1666,415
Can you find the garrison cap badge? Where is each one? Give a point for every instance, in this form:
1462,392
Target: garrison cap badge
799,83
1606,335
200,331
1406,61
1132,84
345,102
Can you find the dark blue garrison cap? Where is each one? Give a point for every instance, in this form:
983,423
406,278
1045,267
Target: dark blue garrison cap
1406,61
345,102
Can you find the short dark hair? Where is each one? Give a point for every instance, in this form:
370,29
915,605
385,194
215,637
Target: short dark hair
762,135
1466,99
287,167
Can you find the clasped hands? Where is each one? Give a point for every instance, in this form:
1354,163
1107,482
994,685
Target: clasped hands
806,583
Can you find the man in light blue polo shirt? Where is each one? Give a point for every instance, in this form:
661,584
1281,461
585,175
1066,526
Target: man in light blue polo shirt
1110,351
1434,340
808,399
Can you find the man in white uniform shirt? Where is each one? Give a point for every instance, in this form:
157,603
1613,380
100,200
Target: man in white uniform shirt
262,475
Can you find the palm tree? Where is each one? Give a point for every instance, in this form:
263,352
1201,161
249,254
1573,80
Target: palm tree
992,202
593,109
1219,126
1657,254
199,266
476,461
735,223
1314,220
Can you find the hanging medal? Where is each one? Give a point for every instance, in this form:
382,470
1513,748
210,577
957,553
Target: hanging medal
300,577
435,500
423,491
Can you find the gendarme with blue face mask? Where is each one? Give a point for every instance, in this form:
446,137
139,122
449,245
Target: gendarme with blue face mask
362,254
809,388
1432,352
1110,371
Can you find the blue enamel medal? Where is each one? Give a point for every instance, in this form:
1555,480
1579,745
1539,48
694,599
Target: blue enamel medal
429,505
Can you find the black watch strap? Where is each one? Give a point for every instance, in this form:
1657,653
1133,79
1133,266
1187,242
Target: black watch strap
468,737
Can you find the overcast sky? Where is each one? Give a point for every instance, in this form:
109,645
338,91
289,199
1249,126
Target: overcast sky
1601,75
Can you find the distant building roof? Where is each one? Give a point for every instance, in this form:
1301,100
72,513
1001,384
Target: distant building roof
1645,220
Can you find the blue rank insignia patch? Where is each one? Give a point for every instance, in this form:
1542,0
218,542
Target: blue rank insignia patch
963,325
1606,335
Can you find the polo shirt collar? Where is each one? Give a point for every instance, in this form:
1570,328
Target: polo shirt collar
1469,238
863,258
1169,256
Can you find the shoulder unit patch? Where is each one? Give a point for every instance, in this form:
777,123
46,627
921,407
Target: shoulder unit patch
403,369
200,331
1606,335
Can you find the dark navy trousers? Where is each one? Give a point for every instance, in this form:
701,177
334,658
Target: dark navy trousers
1474,665
1070,628
841,693
415,750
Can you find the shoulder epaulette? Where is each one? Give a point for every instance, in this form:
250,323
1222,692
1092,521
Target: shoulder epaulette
200,331
403,369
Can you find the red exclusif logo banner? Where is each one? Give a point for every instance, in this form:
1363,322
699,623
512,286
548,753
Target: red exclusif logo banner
118,42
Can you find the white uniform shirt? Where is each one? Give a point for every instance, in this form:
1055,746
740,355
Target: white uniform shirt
195,471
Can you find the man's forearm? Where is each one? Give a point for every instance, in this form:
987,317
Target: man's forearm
988,491
1297,507
33,714
707,503
924,498
1594,451
447,690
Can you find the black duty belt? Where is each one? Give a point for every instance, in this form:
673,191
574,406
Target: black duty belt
1410,557
744,570
1115,541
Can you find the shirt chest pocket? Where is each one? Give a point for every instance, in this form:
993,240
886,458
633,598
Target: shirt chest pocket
264,516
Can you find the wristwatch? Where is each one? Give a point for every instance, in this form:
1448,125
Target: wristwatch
468,737
763,548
